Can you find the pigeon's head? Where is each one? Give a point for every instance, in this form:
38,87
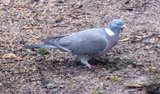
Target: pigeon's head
116,25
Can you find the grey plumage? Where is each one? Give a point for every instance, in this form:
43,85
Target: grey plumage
88,43
39,46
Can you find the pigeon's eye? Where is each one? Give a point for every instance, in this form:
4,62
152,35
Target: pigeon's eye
119,24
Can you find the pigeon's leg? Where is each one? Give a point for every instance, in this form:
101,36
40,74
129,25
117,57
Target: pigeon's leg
84,60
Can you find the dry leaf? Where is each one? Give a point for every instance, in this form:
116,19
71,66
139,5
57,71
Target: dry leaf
154,69
125,39
9,56
134,85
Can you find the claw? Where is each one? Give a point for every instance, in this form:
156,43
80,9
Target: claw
90,66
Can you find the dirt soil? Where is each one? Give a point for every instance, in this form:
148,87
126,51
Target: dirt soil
131,67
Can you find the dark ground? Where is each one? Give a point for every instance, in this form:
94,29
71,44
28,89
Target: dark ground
134,62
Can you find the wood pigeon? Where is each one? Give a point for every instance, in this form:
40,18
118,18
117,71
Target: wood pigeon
87,43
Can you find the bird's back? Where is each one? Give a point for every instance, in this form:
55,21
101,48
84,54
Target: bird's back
87,42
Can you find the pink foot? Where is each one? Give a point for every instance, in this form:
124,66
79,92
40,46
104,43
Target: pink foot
90,66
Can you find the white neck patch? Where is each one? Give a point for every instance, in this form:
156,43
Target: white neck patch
109,32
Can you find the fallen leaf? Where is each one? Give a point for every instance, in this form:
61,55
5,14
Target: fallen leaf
134,85
9,56
125,39
154,69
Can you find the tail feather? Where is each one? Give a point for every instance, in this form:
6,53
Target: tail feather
40,46
52,40
49,42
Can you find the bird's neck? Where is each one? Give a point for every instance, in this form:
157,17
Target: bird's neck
111,32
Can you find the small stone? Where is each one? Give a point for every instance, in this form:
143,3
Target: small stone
50,85
6,2
14,29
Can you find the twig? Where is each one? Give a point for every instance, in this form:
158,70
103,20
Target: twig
125,39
